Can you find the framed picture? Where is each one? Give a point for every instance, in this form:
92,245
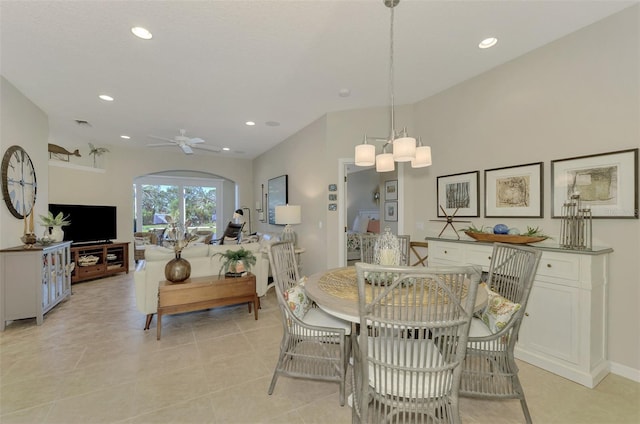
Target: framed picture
333,187
514,191
458,194
390,211
607,183
333,207
277,194
391,190
333,197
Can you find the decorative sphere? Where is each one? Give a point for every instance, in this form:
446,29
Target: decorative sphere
488,230
500,229
514,231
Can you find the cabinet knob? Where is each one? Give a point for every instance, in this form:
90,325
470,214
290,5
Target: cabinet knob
548,265
489,257
445,252
526,314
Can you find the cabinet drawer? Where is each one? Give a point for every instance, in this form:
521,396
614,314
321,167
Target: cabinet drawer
479,255
445,252
558,265
83,271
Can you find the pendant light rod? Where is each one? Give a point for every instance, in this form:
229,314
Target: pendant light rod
392,131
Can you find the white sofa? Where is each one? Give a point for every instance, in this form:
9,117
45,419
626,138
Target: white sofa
150,271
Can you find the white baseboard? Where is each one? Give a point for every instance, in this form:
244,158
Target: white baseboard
625,371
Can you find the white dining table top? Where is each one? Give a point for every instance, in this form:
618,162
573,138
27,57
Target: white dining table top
335,291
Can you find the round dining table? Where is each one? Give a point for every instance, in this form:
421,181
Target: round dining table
336,292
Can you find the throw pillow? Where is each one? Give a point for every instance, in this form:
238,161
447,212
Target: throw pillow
360,224
297,299
498,311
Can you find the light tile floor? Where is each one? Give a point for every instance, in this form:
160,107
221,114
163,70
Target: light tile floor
91,362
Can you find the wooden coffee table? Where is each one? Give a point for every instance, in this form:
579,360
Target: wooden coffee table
196,294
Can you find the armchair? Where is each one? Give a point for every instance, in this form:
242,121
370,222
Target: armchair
233,231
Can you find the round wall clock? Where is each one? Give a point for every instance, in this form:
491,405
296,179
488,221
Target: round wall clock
18,182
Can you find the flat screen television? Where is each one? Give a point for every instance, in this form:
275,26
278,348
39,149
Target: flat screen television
89,223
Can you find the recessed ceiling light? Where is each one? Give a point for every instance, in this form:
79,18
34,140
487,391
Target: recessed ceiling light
345,92
142,33
226,149
250,123
126,137
106,98
272,123
488,42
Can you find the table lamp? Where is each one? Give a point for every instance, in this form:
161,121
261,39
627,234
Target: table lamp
289,215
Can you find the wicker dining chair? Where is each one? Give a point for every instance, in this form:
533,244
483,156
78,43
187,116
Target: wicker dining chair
315,346
490,370
367,247
404,242
408,356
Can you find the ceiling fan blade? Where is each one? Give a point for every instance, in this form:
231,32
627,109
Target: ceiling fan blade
208,148
195,140
162,138
160,144
186,149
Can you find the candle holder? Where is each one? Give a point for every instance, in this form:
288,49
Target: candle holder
387,249
576,226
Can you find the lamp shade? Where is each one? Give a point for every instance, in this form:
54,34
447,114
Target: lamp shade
404,149
384,162
423,157
365,154
288,214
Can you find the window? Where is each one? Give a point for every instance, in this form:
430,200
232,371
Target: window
161,199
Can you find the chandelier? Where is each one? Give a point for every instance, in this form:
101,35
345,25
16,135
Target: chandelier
404,148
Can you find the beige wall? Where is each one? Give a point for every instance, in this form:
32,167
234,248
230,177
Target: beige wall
577,96
22,123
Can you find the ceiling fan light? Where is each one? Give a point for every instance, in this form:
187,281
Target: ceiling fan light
384,162
423,157
365,155
404,149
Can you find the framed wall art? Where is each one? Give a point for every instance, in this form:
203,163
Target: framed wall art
277,194
607,183
391,190
514,191
391,211
458,192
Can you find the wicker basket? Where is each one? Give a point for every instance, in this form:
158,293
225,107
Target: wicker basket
504,238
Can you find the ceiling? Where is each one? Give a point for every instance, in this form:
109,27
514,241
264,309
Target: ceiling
213,65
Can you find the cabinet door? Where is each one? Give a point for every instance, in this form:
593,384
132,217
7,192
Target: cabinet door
550,325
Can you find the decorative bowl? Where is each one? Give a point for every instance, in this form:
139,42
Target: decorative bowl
88,260
504,238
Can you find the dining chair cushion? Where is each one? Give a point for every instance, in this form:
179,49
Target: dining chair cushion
405,353
478,328
141,241
319,318
297,299
498,311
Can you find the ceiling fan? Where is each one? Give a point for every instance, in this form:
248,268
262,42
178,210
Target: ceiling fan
187,144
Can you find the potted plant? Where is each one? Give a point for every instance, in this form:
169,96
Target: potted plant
236,262
54,225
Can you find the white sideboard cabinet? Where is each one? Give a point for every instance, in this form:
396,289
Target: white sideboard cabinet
34,280
565,325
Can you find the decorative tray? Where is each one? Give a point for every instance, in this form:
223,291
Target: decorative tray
504,238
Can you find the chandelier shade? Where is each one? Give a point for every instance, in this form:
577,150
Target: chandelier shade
405,148
365,154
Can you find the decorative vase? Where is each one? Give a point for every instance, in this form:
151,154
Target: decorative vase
56,233
28,239
177,269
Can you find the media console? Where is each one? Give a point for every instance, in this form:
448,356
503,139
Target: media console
113,258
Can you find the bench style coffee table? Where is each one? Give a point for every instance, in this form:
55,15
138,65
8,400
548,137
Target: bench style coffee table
196,294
